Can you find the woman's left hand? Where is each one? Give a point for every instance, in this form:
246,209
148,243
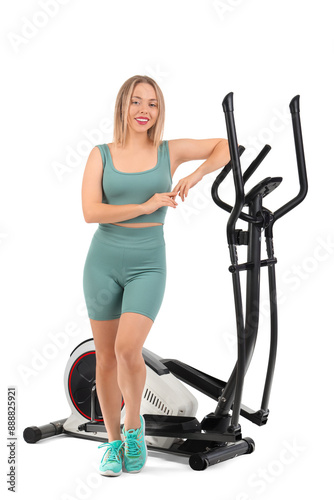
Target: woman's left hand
186,183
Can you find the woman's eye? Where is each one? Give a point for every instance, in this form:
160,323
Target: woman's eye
151,104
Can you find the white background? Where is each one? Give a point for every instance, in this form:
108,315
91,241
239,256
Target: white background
61,74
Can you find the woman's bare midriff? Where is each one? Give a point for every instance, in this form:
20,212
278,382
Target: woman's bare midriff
140,224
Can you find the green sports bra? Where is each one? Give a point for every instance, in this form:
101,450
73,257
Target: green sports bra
124,188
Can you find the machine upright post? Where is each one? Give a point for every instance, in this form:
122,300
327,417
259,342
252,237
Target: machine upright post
222,407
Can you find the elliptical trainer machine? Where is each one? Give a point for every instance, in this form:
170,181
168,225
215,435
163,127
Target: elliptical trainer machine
168,407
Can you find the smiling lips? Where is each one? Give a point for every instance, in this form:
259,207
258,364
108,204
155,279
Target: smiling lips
141,120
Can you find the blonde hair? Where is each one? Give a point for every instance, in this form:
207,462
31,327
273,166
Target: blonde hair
122,104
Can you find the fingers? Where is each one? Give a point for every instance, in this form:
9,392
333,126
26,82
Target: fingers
183,193
179,189
171,199
172,194
182,189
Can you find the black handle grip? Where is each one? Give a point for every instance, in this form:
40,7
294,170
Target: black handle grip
299,147
228,103
294,104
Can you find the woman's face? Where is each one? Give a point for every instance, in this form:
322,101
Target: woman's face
143,108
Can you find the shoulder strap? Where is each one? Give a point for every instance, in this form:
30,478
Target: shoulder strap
103,153
166,151
166,158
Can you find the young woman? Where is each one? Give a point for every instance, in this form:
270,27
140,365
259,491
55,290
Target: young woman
126,189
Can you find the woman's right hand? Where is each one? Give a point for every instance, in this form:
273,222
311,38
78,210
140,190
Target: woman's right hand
159,200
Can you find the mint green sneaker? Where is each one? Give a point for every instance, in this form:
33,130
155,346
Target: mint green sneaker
112,460
135,454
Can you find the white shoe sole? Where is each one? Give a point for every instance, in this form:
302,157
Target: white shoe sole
110,473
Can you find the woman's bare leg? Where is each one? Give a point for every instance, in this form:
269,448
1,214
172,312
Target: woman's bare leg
133,329
108,391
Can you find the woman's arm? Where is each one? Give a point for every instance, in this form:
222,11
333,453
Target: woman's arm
93,208
215,151
218,158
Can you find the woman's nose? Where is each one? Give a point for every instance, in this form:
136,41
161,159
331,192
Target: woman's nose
144,108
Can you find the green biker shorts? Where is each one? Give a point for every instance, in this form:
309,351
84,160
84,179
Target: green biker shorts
125,271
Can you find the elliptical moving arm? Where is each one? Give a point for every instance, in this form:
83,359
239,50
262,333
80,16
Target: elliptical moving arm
297,133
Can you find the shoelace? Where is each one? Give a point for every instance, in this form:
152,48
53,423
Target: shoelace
132,446
111,455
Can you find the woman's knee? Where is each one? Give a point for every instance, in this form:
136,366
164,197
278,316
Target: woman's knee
128,355
106,360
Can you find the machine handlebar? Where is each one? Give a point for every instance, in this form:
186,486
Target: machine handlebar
240,180
298,138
